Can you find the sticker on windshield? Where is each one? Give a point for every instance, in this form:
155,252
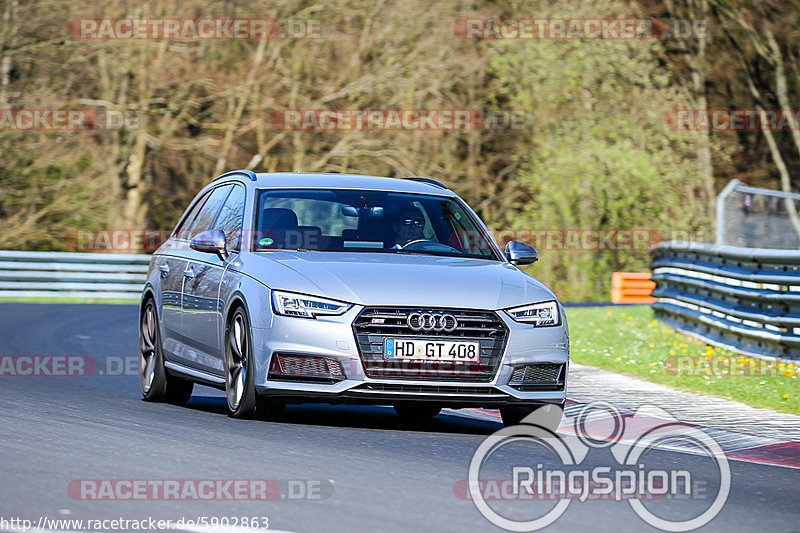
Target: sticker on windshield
266,241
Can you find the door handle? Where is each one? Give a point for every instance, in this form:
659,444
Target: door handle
164,270
188,273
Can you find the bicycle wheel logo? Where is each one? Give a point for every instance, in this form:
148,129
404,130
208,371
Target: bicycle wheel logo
628,439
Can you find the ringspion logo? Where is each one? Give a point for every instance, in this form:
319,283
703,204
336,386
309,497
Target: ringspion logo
565,478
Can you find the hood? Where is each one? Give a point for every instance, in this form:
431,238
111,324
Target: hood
397,279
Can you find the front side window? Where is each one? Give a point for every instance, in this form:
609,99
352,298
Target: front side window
231,216
182,231
367,221
205,218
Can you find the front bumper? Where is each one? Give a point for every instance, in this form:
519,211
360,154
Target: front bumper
334,338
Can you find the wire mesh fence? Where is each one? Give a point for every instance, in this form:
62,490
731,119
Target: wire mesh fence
753,217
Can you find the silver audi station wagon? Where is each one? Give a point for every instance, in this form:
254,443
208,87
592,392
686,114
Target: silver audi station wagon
292,288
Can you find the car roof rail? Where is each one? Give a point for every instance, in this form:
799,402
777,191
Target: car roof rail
249,173
429,181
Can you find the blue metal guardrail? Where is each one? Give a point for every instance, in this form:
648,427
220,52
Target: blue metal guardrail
747,299
72,275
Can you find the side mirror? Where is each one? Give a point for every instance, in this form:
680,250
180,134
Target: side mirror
210,241
519,253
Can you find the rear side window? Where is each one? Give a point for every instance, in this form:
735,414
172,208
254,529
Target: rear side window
231,216
205,218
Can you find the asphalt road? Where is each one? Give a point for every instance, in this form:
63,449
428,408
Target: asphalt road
386,476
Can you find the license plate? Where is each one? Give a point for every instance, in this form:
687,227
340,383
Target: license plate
431,350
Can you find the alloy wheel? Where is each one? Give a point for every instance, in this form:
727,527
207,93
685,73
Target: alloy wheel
147,348
236,361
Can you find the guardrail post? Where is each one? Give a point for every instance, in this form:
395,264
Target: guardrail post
721,197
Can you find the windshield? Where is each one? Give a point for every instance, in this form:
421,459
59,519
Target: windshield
367,221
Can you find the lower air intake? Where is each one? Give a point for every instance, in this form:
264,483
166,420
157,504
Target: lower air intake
305,368
539,376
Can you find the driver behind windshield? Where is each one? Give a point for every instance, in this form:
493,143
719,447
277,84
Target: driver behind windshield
408,226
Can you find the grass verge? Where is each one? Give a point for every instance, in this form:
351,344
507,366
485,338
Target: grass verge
628,340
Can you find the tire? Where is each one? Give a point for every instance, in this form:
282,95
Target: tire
156,385
178,390
549,415
240,390
416,412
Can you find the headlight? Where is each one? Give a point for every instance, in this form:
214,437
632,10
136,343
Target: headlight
541,314
292,304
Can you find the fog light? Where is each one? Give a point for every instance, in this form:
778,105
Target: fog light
308,367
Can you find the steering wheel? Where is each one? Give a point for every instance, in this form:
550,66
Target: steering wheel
427,245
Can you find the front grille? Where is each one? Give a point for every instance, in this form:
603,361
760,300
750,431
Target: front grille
538,376
375,324
426,389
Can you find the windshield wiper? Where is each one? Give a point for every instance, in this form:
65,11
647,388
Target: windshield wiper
429,252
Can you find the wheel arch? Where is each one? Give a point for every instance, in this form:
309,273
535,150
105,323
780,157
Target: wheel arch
148,292
236,300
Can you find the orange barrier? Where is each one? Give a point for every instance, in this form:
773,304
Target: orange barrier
632,288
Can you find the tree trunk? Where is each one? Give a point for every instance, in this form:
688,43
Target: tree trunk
783,101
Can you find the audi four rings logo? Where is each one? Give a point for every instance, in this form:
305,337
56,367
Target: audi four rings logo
432,322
